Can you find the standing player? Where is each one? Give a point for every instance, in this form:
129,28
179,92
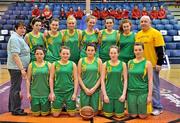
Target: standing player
114,84
53,41
89,70
89,35
63,84
127,39
154,52
35,37
108,37
72,38
139,83
38,84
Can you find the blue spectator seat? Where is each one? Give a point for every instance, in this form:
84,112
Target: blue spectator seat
168,52
138,22
168,26
6,16
3,53
16,12
164,21
3,46
56,12
176,53
2,21
176,26
24,12
170,17
13,17
168,38
11,22
172,32
156,21
134,27
170,45
8,26
178,45
173,21
160,27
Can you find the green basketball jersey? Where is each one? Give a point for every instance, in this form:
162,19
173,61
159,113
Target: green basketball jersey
90,73
63,82
107,40
53,44
88,38
35,41
114,80
127,47
72,41
138,78
40,80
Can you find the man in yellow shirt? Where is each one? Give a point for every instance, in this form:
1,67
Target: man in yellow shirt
154,52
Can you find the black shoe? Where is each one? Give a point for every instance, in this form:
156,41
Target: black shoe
19,113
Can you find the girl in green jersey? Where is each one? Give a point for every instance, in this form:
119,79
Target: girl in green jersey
72,38
89,35
53,40
63,84
35,37
114,84
127,40
38,84
89,71
139,83
109,37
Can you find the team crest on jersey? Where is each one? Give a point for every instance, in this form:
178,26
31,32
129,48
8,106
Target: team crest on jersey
131,66
109,69
57,67
103,37
50,40
34,70
83,67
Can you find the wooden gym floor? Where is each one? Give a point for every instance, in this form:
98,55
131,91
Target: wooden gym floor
170,98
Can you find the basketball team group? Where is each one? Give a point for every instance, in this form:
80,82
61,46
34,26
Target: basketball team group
109,70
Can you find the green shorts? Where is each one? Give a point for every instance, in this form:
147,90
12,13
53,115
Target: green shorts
113,107
137,104
40,106
62,99
93,100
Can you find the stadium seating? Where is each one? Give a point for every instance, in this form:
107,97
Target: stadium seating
22,11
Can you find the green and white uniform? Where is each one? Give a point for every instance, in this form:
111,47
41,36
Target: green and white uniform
73,42
35,41
53,44
127,47
107,39
114,89
88,38
39,89
63,87
137,87
90,75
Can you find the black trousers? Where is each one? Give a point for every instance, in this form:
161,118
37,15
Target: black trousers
14,94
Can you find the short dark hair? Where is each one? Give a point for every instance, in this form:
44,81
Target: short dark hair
109,17
92,44
139,44
34,21
121,24
64,47
39,47
54,19
20,23
115,47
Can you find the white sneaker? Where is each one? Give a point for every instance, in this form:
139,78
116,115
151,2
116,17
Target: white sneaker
157,112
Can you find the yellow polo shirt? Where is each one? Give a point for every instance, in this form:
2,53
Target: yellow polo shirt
151,38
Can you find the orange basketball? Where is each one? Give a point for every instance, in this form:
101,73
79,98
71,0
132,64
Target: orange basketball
87,112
